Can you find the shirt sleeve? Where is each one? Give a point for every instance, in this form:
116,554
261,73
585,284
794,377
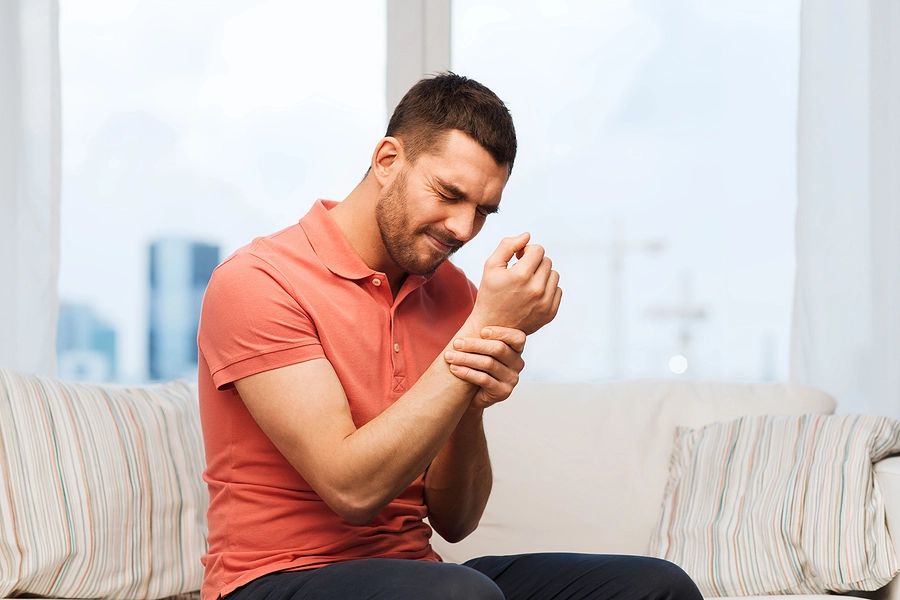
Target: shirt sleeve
250,322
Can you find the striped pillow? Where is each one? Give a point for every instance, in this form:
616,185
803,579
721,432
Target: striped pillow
100,489
766,505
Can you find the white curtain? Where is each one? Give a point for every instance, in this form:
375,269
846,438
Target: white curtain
846,329
29,183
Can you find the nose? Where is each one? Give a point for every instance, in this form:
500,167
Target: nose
461,223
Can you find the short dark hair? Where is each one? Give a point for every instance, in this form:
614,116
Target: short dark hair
446,101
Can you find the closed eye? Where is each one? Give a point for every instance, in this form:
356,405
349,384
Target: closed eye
484,211
448,192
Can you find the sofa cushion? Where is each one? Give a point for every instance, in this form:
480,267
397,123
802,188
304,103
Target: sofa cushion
582,467
764,505
100,489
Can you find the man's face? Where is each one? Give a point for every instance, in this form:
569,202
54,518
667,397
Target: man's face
438,203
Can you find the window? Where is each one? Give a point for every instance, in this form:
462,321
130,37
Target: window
191,127
657,166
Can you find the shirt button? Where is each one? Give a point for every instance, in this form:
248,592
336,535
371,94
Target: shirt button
376,282
396,347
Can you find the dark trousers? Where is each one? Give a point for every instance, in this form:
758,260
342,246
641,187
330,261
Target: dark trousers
551,576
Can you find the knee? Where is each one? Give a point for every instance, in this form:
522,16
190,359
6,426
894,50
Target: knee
463,582
667,581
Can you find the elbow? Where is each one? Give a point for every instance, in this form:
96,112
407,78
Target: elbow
354,500
455,533
455,537
359,517
355,509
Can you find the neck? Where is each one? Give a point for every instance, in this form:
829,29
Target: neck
355,217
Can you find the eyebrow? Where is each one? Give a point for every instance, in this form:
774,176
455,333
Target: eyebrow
455,192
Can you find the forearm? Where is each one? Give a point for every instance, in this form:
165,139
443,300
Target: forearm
458,482
375,463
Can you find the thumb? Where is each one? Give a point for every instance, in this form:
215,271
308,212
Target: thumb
509,247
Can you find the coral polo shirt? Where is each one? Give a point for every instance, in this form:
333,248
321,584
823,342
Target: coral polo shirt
300,294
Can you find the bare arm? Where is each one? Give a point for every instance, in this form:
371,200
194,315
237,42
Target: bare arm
458,482
303,410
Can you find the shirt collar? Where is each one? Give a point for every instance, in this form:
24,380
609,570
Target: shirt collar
330,245
337,254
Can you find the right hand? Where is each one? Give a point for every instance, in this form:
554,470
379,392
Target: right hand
523,296
492,362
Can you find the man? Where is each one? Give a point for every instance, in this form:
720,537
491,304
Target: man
344,369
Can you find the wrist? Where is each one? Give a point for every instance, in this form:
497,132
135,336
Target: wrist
471,327
472,419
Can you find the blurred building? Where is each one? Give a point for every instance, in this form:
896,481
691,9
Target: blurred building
179,272
85,345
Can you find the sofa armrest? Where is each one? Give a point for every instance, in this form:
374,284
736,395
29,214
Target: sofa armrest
887,473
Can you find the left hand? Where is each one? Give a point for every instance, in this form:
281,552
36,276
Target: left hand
524,294
492,362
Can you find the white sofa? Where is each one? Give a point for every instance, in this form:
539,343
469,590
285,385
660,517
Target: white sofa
583,467
578,467
101,493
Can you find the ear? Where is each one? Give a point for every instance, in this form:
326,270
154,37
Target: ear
387,160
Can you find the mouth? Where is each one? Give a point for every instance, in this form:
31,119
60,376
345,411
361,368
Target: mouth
443,247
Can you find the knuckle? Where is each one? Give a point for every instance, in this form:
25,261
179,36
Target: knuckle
499,332
460,371
519,276
483,379
470,360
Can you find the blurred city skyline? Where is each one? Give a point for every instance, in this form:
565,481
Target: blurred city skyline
179,269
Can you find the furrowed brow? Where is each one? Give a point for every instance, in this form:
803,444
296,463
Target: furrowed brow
451,189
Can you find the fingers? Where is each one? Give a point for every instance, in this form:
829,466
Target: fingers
547,281
513,338
492,362
491,391
507,248
491,356
542,279
551,288
524,295
495,384
530,258
557,298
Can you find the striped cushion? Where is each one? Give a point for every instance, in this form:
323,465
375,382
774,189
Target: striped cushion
766,505
100,489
